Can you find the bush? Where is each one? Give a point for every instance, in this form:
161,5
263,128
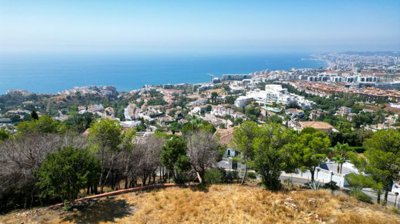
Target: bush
331,185
395,210
230,176
359,149
361,196
251,175
214,176
313,185
4,134
156,101
64,173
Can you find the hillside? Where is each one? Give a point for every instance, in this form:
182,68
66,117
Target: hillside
217,204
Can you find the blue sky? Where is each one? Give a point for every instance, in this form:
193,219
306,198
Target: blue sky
199,26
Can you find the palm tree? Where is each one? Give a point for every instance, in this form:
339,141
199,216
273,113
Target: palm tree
341,155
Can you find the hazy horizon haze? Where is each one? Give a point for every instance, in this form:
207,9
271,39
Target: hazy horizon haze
199,26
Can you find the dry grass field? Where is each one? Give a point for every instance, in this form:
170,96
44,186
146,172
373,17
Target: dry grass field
217,204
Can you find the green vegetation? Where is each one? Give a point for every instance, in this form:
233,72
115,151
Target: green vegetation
64,173
272,154
272,148
105,138
252,112
4,135
214,176
156,101
34,115
59,163
357,182
80,122
381,159
45,124
13,100
219,176
214,97
196,124
357,103
174,158
361,196
311,149
341,154
243,138
230,99
274,119
202,152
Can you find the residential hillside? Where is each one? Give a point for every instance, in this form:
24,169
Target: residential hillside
216,204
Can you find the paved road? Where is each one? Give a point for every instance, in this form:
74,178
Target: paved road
369,192
373,195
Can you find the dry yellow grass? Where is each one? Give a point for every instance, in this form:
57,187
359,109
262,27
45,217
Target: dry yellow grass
220,204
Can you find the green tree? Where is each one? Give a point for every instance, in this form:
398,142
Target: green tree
312,147
275,119
174,158
243,139
214,97
272,154
80,122
105,138
230,99
196,124
64,173
175,127
45,124
252,112
379,116
4,135
382,158
359,181
34,115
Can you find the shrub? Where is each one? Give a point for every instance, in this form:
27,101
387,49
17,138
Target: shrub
230,176
331,185
395,210
64,173
359,149
361,196
214,176
4,134
251,175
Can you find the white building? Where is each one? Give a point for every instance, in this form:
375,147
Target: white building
242,101
221,111
272,94
131,112
130,124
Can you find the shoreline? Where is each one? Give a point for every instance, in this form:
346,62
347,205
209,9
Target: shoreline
134,76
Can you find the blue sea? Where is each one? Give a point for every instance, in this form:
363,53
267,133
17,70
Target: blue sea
50,73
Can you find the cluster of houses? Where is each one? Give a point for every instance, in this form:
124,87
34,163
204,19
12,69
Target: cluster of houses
325,173
99,110
273,94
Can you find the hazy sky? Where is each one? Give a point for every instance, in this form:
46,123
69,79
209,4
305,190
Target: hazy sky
204,25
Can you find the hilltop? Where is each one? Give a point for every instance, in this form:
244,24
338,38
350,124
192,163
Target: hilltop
217,204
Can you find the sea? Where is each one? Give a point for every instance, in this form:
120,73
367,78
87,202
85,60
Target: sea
51,73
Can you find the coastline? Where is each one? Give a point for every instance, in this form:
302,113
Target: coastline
51,75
